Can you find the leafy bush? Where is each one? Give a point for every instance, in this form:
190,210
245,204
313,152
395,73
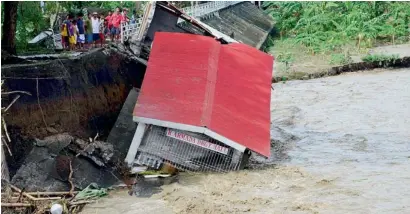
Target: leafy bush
327,26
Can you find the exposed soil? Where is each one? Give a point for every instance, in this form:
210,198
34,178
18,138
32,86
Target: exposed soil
87,92
82,96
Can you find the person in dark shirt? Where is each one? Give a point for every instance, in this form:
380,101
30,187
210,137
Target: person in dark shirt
67,26
81,30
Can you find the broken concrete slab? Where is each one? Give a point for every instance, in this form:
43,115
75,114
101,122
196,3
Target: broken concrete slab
124,128
35,173
55,143
47,167
101,153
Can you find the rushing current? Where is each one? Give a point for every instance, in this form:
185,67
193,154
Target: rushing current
339,145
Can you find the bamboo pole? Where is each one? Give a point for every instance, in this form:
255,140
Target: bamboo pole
19,190
40,199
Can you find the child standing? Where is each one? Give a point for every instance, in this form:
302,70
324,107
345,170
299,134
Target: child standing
65,31
73,35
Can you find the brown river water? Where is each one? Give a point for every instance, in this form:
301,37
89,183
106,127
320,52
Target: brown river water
340,145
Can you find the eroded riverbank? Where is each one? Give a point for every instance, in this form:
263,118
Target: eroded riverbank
347,150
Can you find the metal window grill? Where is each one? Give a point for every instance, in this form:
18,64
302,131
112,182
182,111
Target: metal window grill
156,148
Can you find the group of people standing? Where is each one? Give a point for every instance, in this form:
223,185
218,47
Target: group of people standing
77,33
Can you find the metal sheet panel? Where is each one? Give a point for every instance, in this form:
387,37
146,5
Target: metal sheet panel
241,105
195,80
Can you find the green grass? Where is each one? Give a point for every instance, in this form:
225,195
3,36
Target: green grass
380,57
340,59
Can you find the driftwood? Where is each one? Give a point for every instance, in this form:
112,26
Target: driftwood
41,204
48,193
19,190
16,205
38,199
80,202
20,195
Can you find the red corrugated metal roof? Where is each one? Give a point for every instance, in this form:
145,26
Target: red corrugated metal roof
197,84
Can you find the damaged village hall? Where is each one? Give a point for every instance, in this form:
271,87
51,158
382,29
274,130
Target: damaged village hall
179,96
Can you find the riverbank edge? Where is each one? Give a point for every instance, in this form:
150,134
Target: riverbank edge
403,62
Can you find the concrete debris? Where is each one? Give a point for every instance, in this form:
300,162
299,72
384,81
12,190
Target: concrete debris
46,168
138,169
55,143
101,153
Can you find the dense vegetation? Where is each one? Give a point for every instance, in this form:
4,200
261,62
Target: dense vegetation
328,26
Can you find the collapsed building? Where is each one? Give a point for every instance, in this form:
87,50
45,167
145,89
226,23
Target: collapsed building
169,132
95,93
202,104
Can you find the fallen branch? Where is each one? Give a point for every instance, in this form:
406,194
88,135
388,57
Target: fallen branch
70,179
49,193
38,199
12,102
16,205
5,143
5,129
13,92
21,194
49,198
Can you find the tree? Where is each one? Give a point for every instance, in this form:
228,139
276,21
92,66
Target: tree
8,41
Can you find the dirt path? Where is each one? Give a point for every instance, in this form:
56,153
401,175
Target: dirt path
345,149
402,50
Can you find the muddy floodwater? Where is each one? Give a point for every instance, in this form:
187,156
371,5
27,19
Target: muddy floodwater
340,145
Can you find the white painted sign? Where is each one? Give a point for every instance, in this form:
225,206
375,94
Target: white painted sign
196,141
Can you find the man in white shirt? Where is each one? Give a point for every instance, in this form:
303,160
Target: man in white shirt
95,23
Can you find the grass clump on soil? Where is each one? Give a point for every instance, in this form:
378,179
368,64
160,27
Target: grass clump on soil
320,35
380,57
340,59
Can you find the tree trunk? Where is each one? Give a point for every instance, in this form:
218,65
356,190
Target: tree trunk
8,42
